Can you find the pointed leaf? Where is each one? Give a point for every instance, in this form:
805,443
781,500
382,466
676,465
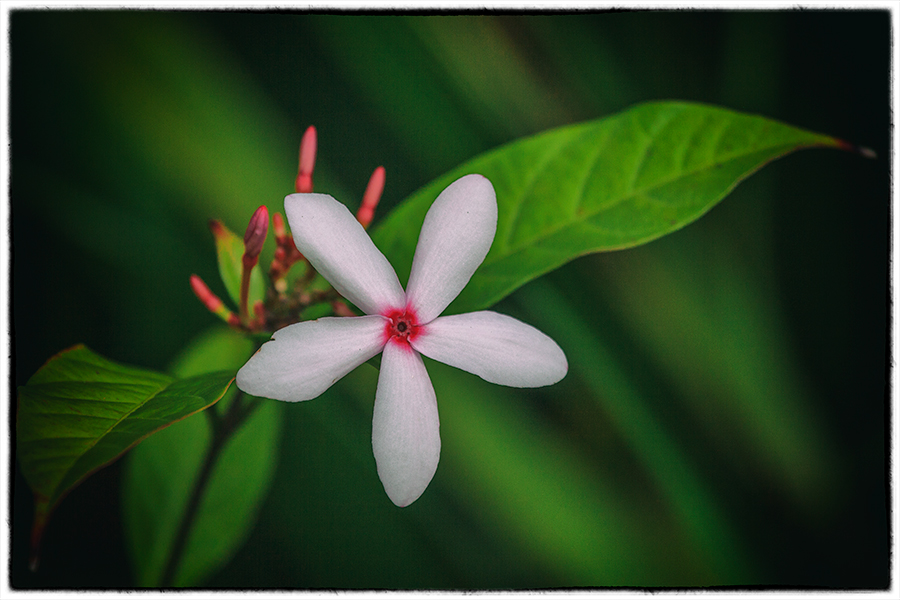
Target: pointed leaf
230,252
613,183
80,412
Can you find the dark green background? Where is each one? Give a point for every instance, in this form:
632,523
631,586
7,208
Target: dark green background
130,129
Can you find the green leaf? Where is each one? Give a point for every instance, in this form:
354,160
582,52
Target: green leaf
230,252
80,412
161,472
609,184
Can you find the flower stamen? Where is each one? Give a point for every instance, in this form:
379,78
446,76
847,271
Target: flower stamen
401,326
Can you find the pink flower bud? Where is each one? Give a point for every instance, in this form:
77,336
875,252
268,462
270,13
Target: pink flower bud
304,183
371,197
205,295
256,232
278,225
212,302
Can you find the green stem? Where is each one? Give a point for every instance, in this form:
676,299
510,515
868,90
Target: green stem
222,430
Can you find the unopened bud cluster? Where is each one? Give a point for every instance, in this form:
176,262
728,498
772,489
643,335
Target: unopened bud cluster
286,299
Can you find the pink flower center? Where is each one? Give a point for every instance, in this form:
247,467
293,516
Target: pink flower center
401,326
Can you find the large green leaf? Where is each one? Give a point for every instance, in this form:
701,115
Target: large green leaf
80,412
161,472
613,183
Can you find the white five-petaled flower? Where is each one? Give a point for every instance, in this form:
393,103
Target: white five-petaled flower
305,359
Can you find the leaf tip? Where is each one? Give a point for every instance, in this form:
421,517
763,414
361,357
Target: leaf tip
219,231
861,150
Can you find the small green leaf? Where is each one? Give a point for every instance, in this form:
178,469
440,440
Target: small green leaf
80,412
160,474
609,184
230,252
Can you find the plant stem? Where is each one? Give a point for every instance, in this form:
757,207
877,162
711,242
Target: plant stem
222,430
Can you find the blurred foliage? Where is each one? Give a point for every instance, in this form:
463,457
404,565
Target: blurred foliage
723,418
161,473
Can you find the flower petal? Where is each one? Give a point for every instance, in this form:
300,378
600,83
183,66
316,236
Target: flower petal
405,427
302,360
456,236
340,249
497,348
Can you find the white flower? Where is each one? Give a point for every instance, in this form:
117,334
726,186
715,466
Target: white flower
305,359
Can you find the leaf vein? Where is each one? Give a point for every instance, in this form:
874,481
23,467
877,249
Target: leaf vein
65,473
535,174
588,172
